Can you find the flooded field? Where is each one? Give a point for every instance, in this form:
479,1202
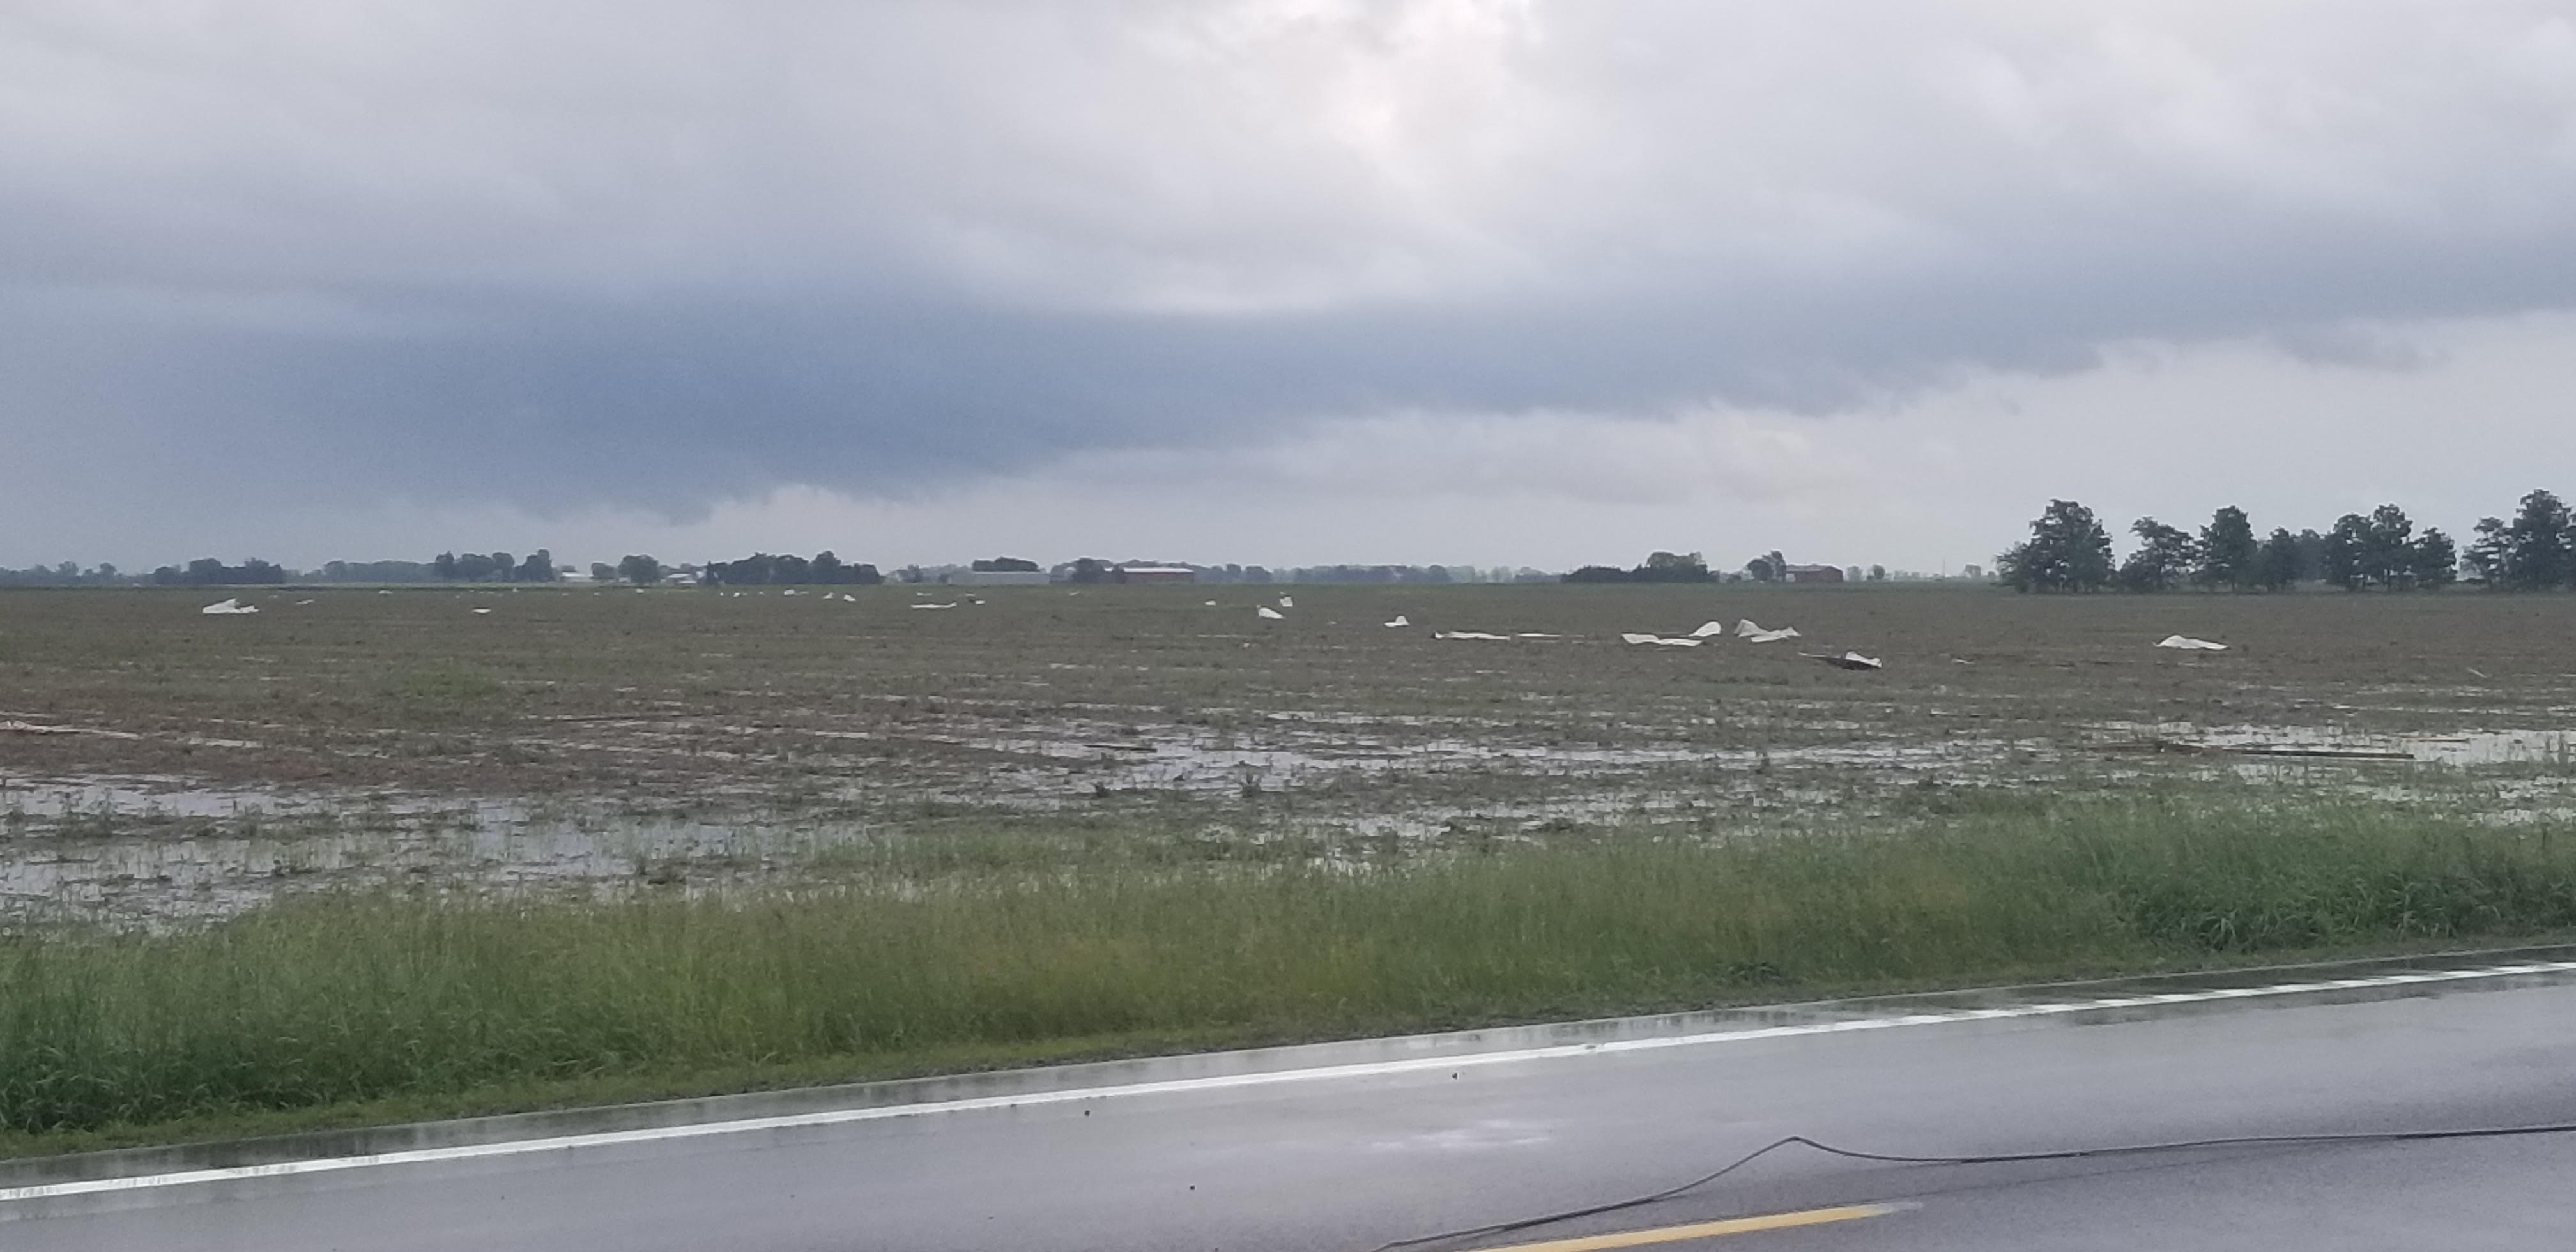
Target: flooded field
157,765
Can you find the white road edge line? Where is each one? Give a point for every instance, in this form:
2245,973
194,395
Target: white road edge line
1470,1060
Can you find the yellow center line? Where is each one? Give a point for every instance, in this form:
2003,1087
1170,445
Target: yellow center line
1705,1230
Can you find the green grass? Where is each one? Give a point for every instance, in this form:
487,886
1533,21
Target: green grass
402,1005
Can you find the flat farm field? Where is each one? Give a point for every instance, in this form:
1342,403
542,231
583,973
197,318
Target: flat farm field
159,763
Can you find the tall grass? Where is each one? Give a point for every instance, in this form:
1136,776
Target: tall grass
330,1000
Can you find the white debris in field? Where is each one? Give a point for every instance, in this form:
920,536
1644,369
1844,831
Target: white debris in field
1535,634
1270,614
931,606
2188,644
304,602
1469,634
1400,620
1634,637
1685,642
482,610
1211,604
227,607
1287,602
1709,628
1848,660
789,592
1748,631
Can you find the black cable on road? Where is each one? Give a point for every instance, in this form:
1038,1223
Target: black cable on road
1996,1158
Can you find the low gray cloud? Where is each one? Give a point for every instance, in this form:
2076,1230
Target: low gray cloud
663,254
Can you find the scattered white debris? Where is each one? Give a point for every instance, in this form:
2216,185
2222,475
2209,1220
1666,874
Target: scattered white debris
384,593
1533,634
789,592
1211,604
1848,660
1271,614
228,606
1772,636
1684,642
482,610
2188,644
1634,637
1400,620
1469,634
304,602
847,598
1709,628
1287,602
950,605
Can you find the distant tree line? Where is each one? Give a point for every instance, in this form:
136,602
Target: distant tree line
2068,550
379,571
67,574
762,569
497,567
209,572
1660,567
1094,570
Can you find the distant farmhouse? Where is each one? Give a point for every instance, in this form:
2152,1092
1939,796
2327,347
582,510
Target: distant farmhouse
1156,574
1812,573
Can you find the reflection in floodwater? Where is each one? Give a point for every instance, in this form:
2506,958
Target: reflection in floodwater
147,851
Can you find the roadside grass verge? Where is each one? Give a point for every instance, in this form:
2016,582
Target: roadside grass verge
376,1007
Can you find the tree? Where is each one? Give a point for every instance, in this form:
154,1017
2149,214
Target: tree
1004,565
2347,546
2067,551
2165,556
2388,548
444,566
2542,548
1770,567
1089,570
538,568
1878,573
826,569
602,572
1672,567
2228,553
643,571
2492,554
2433,560
2278,566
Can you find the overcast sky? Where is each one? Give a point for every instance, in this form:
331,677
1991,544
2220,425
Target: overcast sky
1275,281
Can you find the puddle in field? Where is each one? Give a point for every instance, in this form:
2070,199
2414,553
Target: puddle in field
126,851
2469,749
145,851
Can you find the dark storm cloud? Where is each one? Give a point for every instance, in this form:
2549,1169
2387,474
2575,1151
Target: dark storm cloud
669,253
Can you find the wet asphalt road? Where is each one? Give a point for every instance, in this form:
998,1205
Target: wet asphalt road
1351,1161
